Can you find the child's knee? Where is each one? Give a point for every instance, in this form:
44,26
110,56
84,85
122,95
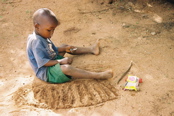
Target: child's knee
65,68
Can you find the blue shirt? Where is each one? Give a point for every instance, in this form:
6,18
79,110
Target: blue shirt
40,51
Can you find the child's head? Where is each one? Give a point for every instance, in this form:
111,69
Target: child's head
45,22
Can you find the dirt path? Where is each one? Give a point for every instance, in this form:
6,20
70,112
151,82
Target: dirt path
128,31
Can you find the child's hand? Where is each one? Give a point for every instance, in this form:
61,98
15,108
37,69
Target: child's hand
70,49
65,60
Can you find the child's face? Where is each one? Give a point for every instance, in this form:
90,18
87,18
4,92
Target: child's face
46,29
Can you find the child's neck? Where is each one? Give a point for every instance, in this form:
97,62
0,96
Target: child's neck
39,34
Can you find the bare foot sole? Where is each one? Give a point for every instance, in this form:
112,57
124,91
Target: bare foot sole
107,74
95,48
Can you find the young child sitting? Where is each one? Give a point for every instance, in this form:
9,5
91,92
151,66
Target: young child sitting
47,60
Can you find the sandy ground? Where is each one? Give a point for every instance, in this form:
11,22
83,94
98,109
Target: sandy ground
141,32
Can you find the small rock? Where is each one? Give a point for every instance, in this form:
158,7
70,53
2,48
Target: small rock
121,8
125,25
153,33
145,16
157,18
137,11
130,4
149,5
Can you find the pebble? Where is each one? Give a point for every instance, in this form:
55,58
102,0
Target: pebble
125,25
157,18
145,16
153,33
121,8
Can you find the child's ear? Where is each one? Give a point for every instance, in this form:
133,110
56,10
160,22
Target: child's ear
36,25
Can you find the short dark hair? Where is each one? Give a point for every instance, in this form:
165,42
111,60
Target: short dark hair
44,12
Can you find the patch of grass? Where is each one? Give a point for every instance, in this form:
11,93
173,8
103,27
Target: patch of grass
15,35
116,4
27,12
169,8
4,0
1,16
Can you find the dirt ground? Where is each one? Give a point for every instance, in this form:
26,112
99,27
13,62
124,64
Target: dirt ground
141,32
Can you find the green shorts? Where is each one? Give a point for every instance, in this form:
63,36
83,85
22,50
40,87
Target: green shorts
55,74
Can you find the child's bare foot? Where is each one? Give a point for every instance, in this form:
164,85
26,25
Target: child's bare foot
95,48
107,74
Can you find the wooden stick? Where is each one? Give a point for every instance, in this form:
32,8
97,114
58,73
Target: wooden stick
125,73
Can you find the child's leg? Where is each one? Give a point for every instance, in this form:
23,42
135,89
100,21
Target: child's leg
82,74
94,49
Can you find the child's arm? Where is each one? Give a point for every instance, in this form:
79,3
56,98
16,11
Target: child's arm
51,63
65,60
67,48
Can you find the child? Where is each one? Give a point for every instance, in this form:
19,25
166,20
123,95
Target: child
47,61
